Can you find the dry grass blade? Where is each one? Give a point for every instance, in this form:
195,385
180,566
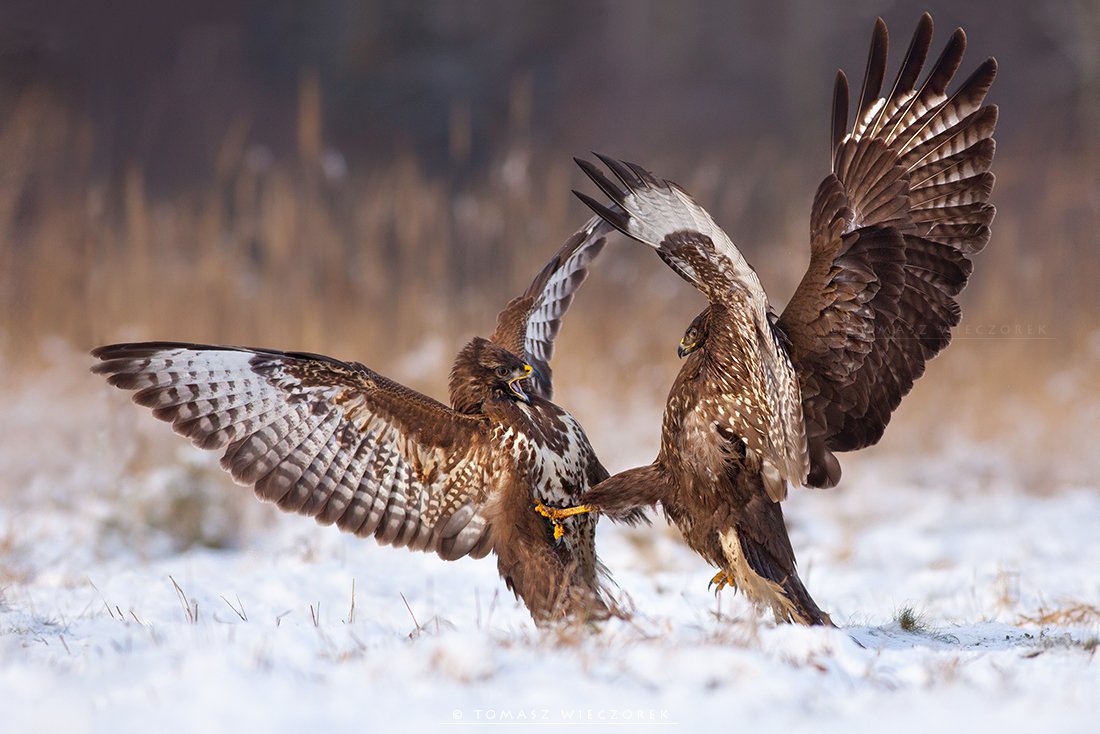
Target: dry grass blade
1070,614
315,614
417,628
351,611
239,609
190,608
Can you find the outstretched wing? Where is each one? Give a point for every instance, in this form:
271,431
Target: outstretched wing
319,437
892,231
529,324
751,390
662,215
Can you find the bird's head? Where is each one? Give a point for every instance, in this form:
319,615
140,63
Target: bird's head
484,371
696,334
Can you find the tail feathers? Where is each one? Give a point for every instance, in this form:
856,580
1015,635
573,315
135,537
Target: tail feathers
612,597
557,595
579,599
588,592
803,609
559,581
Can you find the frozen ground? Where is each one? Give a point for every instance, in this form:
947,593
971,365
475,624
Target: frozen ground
113,618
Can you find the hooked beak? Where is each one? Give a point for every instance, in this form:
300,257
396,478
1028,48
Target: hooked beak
513,384
684,349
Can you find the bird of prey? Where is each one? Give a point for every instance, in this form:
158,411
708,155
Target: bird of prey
341,443
762,402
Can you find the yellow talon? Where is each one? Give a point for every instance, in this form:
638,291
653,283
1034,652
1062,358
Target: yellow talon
723,580
545,511
555,515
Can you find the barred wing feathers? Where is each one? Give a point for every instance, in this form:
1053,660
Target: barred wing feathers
662,215
319,437
892,231
529,324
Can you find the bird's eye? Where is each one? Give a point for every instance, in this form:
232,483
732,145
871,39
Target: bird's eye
502,371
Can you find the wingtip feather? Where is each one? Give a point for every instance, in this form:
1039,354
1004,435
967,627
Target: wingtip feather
840,113
597,177
623,172
874,72
615,219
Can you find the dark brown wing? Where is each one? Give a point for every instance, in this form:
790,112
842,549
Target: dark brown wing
319,437
529,324
892,230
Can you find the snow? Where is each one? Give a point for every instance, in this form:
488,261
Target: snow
261,633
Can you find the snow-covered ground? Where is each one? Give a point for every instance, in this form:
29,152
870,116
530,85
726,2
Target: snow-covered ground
114,615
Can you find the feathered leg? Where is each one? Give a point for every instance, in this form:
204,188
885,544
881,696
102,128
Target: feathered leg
758,574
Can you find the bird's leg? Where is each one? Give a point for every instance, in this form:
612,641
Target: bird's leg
723,580
556,515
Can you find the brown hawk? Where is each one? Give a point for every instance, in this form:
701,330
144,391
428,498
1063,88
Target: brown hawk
762,402
341,443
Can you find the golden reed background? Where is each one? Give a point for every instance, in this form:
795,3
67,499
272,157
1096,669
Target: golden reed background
397,264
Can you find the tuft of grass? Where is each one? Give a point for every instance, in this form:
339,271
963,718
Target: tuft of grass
912,621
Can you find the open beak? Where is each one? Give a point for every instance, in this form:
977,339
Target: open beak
684,349
513,384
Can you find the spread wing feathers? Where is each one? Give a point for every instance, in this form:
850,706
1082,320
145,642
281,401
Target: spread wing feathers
323,438
941,143
529,324
662,215
892,229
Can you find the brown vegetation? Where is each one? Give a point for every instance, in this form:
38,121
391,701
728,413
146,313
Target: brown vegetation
395,266
1068,614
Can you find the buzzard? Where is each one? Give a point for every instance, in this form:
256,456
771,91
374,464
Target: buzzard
761,402
341,443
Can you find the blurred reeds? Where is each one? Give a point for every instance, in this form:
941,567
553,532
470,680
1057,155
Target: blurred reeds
396,267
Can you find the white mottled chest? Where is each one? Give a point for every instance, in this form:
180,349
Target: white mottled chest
552,456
